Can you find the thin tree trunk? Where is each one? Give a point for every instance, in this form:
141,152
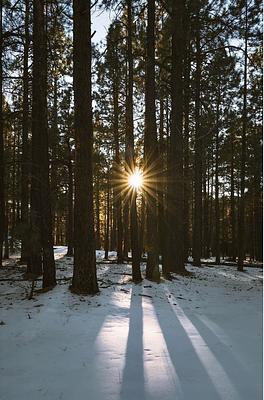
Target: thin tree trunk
54,137
205,212
117,167
107,222
258,218
2,196
197,230
211,190
6,238
25,152
136,273
187,183
13,196
161,191
151,152
113,223
142,225
70,204
167,236
84,273
217,221
97,211
241,215
126,229
233,216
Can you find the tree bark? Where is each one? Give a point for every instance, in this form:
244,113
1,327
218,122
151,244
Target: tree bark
197,229
205,210
97,213
187,183
107,221
151,152
217,220
25,152
258,218
6,234
161,189
54,144
42,255
136,273
117,166
2,196
84,273
232,209
176,180
34,265
70,203
241,214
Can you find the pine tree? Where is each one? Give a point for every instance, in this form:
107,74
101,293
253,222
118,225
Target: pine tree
84,274
130,156
41,258
2,196
151,152
25,141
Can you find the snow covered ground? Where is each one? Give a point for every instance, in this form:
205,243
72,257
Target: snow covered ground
197,337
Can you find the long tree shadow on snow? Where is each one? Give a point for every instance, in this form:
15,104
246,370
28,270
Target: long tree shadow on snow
192,373
201,369
132,386
239,373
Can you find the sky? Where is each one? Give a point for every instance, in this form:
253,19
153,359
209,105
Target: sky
100,23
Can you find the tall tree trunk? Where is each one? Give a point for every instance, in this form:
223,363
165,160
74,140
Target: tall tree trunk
198,156
107,221
161,190
151,152
223,231
97,213
142,225
49,272
241,214
217,221
167,236
126,229
84,273
34,265
6,234
25,152
117,166
54,144
258,218
232,208
126,221
113,223
13,193
42,254
205,212
176,183
210,185
70,203
2,196
136,273
187,183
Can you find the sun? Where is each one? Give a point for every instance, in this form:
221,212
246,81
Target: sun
135,179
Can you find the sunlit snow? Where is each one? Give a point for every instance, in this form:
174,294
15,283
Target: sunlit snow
196,337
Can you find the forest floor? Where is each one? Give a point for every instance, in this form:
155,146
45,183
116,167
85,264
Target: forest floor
197,337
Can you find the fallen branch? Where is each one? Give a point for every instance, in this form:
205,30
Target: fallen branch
145,295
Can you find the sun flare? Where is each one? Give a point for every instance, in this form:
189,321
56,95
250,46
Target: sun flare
135,179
